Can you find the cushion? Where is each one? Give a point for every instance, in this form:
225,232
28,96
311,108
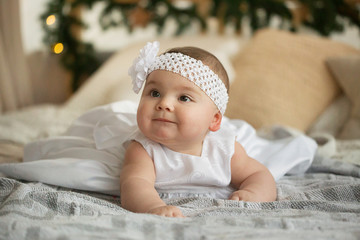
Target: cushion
346,70
281,78
10,152
111,81
333,119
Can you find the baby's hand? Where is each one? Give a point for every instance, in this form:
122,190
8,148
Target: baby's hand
243,195
167,211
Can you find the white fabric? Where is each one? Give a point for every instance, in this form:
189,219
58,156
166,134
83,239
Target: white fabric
139,70
180,175
89,156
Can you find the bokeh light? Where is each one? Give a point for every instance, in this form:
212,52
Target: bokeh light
58,48
50,20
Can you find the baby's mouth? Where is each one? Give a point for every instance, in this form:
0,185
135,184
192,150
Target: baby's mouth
162,120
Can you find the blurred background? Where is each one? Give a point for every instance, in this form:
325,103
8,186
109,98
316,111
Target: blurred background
49,48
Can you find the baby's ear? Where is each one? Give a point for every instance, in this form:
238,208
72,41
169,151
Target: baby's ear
216,122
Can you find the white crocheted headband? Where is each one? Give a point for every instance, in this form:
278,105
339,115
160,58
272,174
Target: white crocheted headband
192,69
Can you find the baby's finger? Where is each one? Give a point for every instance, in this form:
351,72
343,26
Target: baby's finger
234,197
178,214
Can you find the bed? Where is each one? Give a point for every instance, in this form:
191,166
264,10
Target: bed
307,71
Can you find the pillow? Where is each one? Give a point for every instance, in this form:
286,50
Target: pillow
111,82
346,71
281,78
10,152
333,119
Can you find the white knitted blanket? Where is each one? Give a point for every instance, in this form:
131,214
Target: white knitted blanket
322,204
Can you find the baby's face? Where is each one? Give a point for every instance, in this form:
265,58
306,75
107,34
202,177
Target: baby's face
173,110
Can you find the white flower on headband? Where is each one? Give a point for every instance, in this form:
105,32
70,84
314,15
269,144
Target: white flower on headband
139,70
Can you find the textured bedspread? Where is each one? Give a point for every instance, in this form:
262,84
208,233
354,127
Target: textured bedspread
322,204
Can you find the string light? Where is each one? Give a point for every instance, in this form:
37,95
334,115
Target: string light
50,20
58,48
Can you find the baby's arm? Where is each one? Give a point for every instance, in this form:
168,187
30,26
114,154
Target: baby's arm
254,181
137,179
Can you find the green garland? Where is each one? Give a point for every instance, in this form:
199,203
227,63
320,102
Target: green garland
326,16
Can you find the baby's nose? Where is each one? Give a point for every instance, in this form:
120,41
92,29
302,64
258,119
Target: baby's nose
165,104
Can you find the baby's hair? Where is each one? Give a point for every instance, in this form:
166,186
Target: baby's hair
207,58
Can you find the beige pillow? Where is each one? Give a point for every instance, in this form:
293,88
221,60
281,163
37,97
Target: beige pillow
332,120
111,81
10,152
346,70
281,78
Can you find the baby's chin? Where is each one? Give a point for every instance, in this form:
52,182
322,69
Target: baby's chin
158,136
162,139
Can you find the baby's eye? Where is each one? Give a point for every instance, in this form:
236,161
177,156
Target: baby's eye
185,99
155,93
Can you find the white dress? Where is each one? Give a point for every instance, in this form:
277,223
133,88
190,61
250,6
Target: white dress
90,154
184,175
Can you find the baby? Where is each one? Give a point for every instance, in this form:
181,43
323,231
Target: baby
180,147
